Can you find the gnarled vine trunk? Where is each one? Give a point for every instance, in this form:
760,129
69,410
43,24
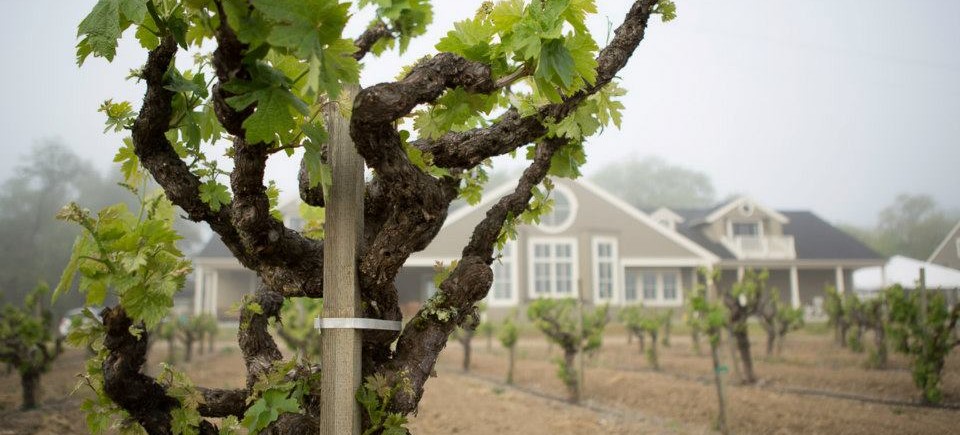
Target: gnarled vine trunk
404,208
30,384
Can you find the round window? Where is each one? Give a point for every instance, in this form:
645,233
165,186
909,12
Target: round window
563,211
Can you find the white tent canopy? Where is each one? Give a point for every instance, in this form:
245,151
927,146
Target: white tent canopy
905,271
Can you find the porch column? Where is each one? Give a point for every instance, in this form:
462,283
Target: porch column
198,291
794,287
214,289
740,273
841,283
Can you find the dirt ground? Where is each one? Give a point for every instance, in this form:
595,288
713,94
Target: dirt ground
622,394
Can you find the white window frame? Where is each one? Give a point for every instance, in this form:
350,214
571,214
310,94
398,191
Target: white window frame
730,222
531,266
958,247
658,300
512,259
615,290
572,199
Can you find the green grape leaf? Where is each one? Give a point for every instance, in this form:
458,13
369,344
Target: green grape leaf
470,39
317,171
214,194
579,125
576,14
583,51
102,27
268,408
556,64
667,10
506,14
249,24
566,162
312,29
608,109
275,104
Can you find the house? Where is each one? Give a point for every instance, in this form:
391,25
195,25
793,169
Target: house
948,252
597,245
220,282
590,241
802,252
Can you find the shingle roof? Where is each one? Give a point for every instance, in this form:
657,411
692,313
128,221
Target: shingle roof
814,238
214,249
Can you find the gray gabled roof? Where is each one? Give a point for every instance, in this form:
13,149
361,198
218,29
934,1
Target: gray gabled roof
214,249
814,238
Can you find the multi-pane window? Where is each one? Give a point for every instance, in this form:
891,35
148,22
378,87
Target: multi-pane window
748,229
649,286
604,266
630,286
503,274
669,286
553,269
652,286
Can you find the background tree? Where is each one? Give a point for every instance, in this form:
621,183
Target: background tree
558,319
49,176
742,301
913,226
27,342
508,335
517,78
663,184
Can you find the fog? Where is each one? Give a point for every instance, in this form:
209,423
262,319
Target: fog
832,106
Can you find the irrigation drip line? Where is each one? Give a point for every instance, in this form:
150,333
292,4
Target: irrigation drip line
801,391
782,390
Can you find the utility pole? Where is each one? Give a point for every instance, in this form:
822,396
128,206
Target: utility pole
340,347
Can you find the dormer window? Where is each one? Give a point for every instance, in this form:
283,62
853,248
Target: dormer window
745,229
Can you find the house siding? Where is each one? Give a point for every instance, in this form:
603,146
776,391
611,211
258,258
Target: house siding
232,285
948,255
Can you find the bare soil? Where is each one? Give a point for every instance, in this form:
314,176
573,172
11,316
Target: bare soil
622,394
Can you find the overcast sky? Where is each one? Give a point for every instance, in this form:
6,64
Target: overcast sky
830,105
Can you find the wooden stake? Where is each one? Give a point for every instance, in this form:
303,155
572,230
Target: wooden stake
922,288
579,339
717,367
339,411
